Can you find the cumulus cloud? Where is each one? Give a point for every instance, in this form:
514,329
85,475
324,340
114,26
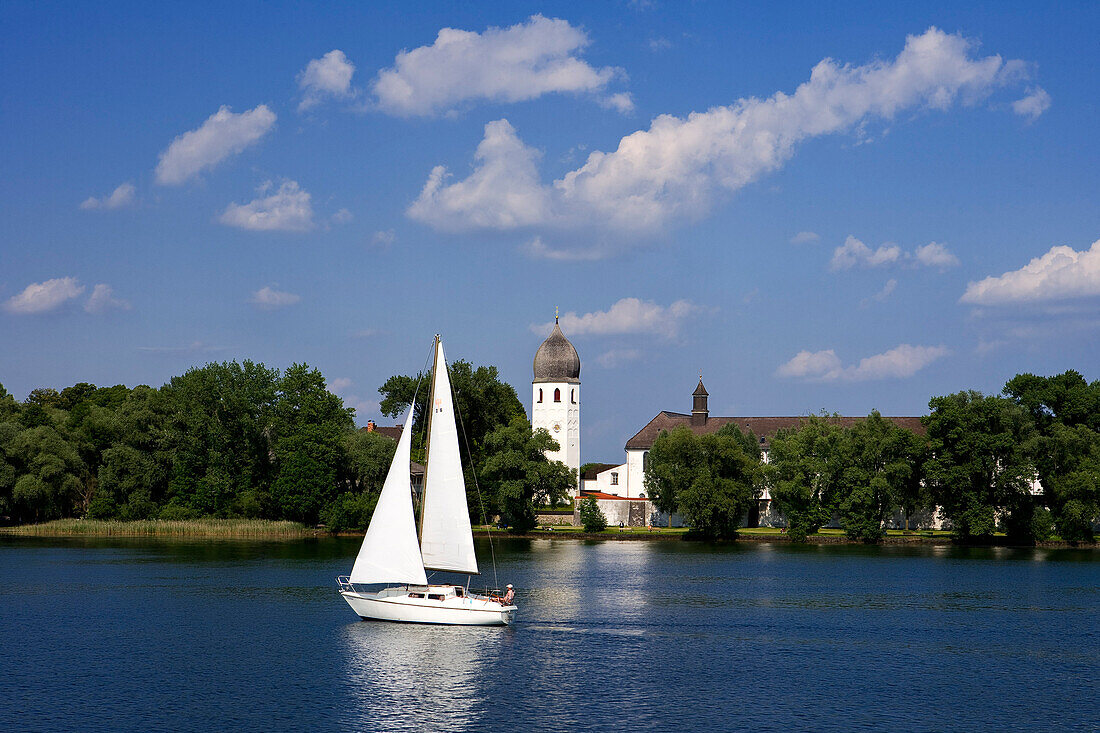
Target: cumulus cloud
629,315
120,198
676,168
343,216
935,255
1034,104
616,357
805,238
539,250
854,252
44,296
222,135
269,298
524,61
328,76
340,387
1060,274
887,290
825,366
103,300
383,238
288,209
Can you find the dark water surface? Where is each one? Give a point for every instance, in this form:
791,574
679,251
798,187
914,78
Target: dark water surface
116,634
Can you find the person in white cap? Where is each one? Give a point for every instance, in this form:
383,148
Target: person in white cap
509,595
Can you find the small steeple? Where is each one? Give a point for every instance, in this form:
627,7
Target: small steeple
699,411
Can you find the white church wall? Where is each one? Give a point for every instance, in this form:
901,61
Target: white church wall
635,473
612,481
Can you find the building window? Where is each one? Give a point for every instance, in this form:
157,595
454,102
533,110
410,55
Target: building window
645,461
540,394
557,395
573,396
614,478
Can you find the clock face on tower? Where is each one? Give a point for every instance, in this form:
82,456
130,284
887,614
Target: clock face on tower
557,427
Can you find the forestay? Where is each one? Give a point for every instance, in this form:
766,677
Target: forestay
446,541
390,553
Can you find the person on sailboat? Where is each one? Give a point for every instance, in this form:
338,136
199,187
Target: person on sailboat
510,595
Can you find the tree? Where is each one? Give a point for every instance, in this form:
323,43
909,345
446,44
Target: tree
1066,446
880,465
482,403
49,474
979,466
710,480
804,473
592,518
368,457
517,474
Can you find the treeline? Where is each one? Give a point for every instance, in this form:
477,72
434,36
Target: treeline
242,440
1026,462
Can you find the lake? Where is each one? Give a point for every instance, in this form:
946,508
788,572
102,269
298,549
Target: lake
140,634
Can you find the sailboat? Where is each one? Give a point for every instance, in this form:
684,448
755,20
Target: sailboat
393,553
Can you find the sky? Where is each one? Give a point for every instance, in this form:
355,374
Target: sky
838,207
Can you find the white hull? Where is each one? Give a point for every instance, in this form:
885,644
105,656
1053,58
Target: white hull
434,605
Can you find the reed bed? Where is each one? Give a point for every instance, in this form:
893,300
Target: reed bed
163,528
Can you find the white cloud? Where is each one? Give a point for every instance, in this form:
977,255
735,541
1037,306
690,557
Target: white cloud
343,216
825,366
328,76
887,290
675,169
659,44
616,357
539,250
44,296
854,252
384,237
524,61
1034,104
223,134
805,238
103,300
195,347
1060,274
629,315
287,210
621,102
121,197
935,255
269,298
340,386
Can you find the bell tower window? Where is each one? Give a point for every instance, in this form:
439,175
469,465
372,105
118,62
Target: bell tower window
557,395
540,394
573,396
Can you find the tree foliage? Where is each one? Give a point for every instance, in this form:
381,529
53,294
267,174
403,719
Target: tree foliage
592,517
710,480
805,473
517,474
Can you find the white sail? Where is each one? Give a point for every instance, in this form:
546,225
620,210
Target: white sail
446,541
390,553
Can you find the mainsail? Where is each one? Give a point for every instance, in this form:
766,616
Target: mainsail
389,553
446,541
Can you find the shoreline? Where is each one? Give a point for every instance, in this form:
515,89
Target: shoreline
264,530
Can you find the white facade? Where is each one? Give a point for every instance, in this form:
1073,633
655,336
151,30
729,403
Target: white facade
556,407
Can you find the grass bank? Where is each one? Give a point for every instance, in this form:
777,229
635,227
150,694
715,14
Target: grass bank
229,528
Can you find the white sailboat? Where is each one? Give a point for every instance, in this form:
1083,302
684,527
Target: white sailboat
391,552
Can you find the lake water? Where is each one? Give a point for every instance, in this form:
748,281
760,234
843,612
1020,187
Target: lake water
161,635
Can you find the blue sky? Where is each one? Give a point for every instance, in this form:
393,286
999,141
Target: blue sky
841,208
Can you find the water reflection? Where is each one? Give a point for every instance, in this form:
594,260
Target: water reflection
411,677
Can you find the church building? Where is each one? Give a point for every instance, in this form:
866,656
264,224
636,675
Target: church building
556,398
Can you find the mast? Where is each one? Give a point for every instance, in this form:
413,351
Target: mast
428,443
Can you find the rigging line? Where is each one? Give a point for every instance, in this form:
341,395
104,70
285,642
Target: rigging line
473,473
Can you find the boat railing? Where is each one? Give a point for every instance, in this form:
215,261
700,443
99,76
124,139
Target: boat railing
345,583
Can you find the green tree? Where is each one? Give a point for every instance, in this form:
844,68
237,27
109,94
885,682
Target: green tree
49,474
1066,446
804,473
368,458
517,474
710,480
592,518
483,403
979,466
880,465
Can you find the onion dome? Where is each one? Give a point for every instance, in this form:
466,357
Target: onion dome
557,360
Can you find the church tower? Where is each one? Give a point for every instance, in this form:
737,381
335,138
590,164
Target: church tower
556,398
